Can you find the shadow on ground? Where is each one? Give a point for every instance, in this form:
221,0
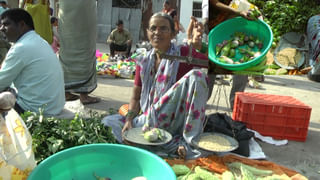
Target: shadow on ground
106,105
294,83
111,80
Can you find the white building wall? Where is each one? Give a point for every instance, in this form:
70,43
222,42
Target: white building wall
185,14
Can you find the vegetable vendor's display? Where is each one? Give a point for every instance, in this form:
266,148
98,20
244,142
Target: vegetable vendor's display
240,49
118,67
50,134
184,173
286,15
236,170
229,167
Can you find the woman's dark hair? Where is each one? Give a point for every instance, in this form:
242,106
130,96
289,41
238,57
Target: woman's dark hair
17,15
53,19
167,17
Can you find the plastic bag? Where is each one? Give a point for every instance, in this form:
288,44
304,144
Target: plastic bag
16,155
222,123
241,5
41,19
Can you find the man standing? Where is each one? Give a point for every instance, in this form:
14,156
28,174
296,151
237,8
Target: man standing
120,40
31,66
77,31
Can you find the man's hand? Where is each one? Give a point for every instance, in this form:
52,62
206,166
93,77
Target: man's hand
129,42
244,14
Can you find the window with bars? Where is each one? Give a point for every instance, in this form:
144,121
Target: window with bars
197,9
126,3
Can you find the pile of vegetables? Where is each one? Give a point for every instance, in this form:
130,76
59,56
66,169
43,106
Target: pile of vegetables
287,15
152,134
50,135
185,173
236,170
247,46
264,69
254,13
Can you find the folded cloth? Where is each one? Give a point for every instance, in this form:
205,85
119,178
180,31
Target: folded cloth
255,150
268,139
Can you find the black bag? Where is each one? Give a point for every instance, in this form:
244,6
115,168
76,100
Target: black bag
222,123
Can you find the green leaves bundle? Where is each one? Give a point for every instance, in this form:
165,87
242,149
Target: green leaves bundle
50,135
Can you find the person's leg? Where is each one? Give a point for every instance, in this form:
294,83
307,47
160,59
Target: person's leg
71,97
86,99
112,49
239,83
313,77
211,80
128,47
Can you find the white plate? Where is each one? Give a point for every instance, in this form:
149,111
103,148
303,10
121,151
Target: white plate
135,135
233,142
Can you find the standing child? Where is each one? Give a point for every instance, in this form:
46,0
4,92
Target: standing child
55,43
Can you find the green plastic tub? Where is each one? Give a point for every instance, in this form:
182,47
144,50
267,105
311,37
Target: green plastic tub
115,161
226,29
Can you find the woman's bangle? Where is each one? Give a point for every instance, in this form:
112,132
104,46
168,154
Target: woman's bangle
131,114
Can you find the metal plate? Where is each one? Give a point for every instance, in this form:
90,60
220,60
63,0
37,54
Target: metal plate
292,40
233,143
135,135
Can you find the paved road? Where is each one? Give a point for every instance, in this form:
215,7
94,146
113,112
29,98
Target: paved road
300,156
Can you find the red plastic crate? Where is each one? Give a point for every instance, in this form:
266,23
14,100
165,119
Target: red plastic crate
281,117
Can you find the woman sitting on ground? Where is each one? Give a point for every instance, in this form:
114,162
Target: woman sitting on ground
170,95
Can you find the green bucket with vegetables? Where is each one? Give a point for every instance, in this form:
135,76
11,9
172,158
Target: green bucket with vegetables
94,161
237,44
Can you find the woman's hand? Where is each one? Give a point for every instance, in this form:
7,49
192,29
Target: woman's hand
127,126
182,152
196,37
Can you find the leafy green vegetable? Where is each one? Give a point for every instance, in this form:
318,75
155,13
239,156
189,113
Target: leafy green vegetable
180,169
50,135
286,15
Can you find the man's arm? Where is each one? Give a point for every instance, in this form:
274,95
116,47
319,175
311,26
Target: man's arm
226,8
11,68
129,38
110,38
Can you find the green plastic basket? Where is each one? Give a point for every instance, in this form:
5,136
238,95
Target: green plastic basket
115,161
226,29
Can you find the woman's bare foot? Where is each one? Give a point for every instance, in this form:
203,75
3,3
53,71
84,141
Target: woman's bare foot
86,99
182,152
